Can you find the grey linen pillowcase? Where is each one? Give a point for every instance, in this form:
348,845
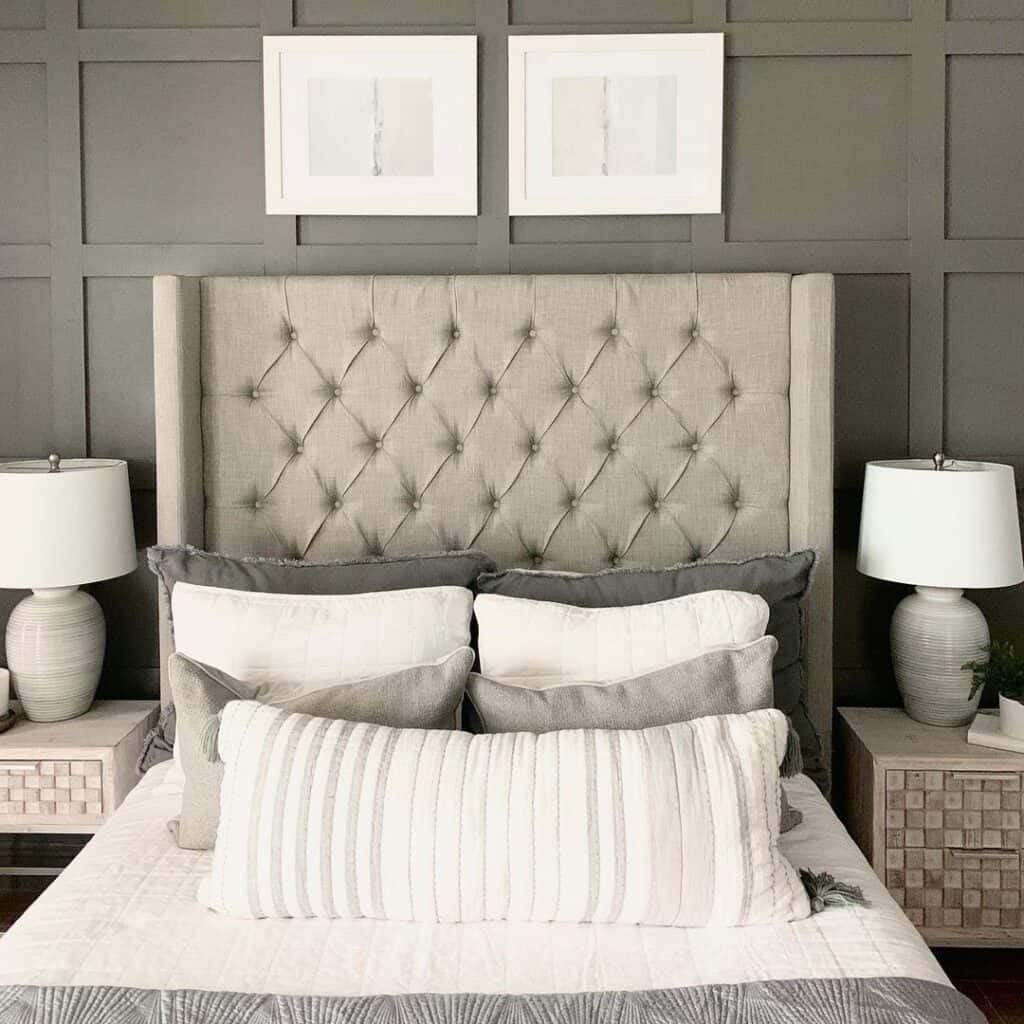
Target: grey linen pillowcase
782,580
174,564
421,697
723,681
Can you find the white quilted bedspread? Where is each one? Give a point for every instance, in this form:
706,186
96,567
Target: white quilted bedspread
125,913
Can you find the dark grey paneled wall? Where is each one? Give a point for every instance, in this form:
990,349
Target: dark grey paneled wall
879,139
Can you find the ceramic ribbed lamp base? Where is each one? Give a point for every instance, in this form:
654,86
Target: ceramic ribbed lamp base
55,644
935,632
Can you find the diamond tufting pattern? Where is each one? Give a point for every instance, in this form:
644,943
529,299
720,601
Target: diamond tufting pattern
565,422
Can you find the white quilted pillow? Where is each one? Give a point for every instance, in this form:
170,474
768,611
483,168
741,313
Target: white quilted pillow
302,640
675,825
540,643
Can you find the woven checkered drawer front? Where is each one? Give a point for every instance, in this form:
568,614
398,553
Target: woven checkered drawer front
51,788
953,847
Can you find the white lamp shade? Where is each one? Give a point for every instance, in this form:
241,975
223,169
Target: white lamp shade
66,528
956,527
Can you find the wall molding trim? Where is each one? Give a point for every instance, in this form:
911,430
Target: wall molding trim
854,147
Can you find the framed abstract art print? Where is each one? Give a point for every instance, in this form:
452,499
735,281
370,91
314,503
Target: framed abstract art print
615,124
370,124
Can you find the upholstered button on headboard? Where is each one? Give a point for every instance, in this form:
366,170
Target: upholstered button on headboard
562,422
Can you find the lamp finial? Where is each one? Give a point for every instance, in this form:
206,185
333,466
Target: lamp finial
940,460
54,460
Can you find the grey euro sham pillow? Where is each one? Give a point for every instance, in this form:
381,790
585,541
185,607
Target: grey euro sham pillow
723,681
183,563
158,743
781,579
420,697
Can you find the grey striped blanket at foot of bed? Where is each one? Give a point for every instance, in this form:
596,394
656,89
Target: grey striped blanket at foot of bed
800,1001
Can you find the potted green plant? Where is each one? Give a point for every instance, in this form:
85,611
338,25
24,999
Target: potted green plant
1004,670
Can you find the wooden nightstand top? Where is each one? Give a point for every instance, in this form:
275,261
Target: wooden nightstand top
894,739
102,727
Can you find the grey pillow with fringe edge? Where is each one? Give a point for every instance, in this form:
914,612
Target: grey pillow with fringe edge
158,744
173,564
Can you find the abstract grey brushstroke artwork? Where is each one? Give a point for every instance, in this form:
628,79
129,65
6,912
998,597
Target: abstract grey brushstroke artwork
371,127
613,126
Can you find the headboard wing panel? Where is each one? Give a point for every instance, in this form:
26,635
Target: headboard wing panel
568,422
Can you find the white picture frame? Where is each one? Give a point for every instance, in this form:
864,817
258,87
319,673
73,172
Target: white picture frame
382,125
615,124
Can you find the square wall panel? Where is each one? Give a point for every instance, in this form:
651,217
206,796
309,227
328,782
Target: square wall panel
172,152
169,14
8,599
572,14
872,371
1004,609
984,365
130,606
406,14
819,10
24,159
985,166
985,10
863,609
26,369
387,230
119,346
816,148
574,230
23,14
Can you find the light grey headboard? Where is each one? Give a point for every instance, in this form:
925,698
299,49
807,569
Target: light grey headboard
566,422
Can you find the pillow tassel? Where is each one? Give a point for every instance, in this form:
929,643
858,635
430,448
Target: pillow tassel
824,891
208,738
793,759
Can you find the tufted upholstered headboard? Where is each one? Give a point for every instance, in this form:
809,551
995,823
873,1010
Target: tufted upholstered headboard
564,422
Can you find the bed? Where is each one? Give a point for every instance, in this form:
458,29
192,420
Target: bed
319,418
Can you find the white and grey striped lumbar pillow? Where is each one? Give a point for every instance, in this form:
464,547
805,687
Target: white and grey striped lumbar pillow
675,825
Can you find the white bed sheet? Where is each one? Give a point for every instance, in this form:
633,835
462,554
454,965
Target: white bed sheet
124,913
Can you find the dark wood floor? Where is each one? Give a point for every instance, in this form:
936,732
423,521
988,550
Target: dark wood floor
39,852
12,906
993,978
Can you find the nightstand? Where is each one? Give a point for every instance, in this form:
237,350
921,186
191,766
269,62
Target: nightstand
66,777
940,821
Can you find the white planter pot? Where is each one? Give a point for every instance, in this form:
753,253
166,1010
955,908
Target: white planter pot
1011,718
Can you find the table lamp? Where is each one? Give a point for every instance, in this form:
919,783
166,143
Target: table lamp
943,526
62,524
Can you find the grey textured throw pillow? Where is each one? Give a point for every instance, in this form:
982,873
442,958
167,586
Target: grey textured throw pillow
421,697
782,580
724,681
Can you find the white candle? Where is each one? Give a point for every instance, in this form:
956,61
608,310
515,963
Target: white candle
5,691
